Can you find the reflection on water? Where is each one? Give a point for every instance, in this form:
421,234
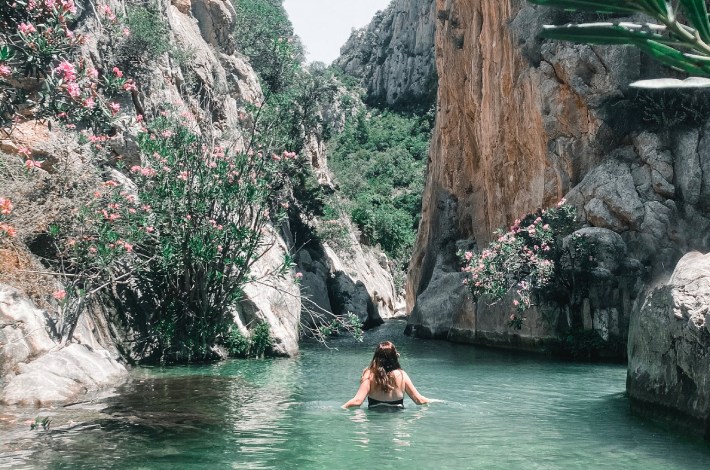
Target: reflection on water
500,410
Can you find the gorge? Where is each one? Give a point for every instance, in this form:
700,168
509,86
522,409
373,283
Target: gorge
519,124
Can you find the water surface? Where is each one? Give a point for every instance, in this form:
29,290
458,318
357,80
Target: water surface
501,410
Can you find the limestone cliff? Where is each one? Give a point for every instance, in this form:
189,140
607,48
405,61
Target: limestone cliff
522,123
394,55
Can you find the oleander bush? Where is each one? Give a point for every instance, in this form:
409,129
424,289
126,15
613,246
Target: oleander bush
538,258
184,238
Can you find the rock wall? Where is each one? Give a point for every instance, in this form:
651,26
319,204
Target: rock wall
340,280
669,348
522,123
394,55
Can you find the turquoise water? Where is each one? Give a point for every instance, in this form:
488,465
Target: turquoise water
501,410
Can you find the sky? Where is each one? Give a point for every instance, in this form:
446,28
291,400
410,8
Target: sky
325,25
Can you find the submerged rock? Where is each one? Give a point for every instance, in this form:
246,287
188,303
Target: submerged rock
669,348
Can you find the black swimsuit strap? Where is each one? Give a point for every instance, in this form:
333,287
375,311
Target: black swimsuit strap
374,402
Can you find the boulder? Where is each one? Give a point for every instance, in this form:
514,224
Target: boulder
39,371
669,348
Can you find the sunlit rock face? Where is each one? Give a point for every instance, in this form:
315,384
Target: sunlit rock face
394,55
669,348
522,123
37,369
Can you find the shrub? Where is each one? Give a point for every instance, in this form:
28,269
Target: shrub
532,259
186,240
146,38
40,68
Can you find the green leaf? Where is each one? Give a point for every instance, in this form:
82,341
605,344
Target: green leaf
658,6
673,58
6,53
697,13
599,33
600,6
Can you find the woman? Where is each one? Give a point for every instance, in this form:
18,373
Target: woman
384,382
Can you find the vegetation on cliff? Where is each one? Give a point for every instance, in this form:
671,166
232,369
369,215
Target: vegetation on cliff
379,162
172,236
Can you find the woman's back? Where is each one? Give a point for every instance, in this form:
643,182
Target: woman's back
384,382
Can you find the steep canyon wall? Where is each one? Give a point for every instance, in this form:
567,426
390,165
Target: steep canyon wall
393,56
522,123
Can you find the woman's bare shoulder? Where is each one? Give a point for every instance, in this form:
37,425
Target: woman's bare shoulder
366,374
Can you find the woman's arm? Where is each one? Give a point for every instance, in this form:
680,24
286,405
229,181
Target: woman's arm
411,390
361,392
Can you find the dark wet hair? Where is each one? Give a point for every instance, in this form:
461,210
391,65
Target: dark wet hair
385,360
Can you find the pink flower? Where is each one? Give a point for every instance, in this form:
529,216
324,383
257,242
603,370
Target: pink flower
299,276
92,73
468,255
89,103
59,295
27,28
25,151
546,227
515,302
183,175
5,206
31,164
5,71
219,248
149,229
67,70
108,12
126,32
73,90
117,72
9,230
114,107
130,86
561,203
68,6
167,134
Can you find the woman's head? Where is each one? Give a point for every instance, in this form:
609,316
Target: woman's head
384,361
